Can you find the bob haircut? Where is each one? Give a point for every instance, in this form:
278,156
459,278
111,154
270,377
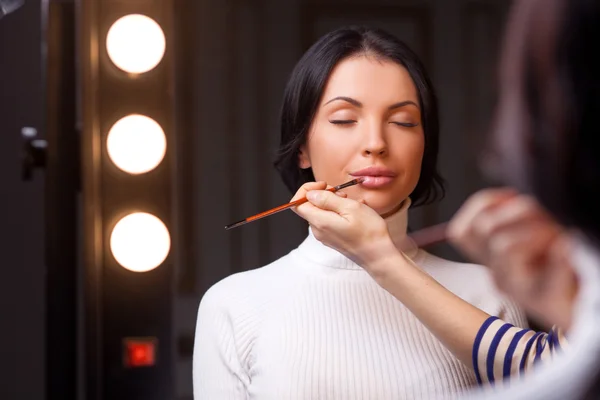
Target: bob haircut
305,88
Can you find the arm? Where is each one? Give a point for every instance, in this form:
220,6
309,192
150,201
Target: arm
358,232
217,371
494,348
452,320
502,350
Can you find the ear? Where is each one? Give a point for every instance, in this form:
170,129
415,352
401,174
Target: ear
303,159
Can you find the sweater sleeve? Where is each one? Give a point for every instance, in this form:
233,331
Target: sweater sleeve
217,369
503,351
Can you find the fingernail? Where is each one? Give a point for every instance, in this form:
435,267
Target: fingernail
312,195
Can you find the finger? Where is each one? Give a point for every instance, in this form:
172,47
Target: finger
461,232
519,211
561,248
481,201
319,218
341,194
518,249
520,245
329,201
520,254
301,193
516,221
517,277
519,228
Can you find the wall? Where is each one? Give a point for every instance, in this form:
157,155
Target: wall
21,210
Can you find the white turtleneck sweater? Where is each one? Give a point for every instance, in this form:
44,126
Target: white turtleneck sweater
314,325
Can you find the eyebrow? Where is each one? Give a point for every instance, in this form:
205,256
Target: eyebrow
402,104
357,103
347,99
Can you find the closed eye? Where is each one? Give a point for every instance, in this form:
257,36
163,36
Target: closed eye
342,121
404,124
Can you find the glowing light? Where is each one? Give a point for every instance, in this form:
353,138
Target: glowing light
136,144
140,242
135,43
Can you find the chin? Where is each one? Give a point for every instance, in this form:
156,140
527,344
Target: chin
382,204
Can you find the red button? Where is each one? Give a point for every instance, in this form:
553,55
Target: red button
140,352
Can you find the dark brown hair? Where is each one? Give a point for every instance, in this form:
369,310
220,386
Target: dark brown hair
305,89
552,46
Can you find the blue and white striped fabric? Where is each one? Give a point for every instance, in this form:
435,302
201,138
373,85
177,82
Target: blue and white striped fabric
503,351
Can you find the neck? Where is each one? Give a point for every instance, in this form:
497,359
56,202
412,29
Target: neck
397,223
394,210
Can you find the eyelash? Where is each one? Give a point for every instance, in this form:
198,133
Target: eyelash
349,121
404,124
342,121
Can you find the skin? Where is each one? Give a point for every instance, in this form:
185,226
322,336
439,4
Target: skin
369,114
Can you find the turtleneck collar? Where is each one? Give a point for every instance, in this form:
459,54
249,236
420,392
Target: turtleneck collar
318,253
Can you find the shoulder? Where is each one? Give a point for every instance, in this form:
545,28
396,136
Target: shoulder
243,291
474,284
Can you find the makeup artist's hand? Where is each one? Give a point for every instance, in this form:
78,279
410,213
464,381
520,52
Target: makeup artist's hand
525,248
349,226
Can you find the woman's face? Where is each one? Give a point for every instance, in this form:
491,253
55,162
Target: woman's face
368,124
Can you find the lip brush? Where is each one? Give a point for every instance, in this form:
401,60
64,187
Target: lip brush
289,205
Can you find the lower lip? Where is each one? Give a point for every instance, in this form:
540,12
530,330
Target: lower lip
374,182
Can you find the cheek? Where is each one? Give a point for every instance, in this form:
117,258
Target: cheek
329,154
408,153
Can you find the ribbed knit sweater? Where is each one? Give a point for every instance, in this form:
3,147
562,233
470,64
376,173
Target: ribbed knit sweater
314,325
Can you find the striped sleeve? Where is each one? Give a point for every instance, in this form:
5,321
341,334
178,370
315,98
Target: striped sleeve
503,351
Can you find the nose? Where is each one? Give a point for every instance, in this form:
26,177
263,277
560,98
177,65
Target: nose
375,143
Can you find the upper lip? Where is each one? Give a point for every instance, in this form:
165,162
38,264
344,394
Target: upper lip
373,171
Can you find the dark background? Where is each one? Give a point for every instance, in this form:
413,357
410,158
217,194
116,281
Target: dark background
22,209
236,56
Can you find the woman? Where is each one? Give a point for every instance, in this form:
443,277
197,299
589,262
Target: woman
313,324
546,145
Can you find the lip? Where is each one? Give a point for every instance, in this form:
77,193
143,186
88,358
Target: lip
374,176
374,171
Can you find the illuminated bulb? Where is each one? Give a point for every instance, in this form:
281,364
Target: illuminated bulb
140,242
136,144
135,43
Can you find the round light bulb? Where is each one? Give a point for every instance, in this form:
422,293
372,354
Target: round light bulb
135,43
136,144
140,242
